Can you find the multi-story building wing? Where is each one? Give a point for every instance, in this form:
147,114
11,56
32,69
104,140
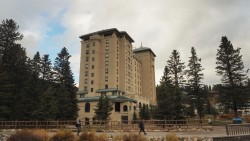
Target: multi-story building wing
109,66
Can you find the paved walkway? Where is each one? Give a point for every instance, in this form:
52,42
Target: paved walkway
218,131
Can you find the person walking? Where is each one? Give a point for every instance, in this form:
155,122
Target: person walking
141,126
78,126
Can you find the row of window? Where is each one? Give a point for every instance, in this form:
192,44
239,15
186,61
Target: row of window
117,107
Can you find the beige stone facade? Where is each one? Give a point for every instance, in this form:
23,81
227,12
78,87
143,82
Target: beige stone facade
110,66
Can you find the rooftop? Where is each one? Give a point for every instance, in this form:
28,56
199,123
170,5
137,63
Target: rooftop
142,49
108,32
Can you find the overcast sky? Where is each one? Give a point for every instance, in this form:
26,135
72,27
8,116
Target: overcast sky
162,25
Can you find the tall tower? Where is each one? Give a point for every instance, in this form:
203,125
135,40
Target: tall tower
110,67
147,57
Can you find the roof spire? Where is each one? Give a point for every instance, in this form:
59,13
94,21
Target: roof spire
141,44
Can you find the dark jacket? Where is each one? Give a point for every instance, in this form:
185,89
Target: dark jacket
141,125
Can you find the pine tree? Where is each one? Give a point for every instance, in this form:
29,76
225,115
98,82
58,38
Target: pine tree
176,73
48,106
195,75
46,68
8,34
230,67
165,97
176,68
36,65
134,117
13,61
103,108
64,76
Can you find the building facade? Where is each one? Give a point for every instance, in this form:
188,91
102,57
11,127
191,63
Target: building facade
110,66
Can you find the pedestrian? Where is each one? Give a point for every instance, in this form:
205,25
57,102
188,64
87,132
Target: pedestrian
141,126
78,126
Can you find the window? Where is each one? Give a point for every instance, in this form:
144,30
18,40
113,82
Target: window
106,71
103,94
106,86
93,58
92,82
87,51
107,41
87,45
87,107
107,55
117,106
106,63
92,74
125,108
81,95
93,67
93,51
86,66
85,88
93,44
106,78
86,81
86,73
87,58
92,89
107,48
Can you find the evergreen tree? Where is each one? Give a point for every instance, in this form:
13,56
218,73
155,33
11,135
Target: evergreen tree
36,65
230,67
176,68
144,112
134,117
103,108
176,73
46,68
8,34
165,97
48,106
14,67
5,96
64,76
195,75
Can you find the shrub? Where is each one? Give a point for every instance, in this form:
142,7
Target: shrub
102,137
25,135
87,136
63,135
42,134
171,137
133,137
91,136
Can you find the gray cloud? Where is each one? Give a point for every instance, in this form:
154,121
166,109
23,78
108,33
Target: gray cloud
163,25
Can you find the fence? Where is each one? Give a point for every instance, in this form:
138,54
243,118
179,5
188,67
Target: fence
106,125
238,129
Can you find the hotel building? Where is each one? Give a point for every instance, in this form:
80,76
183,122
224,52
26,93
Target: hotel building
110,66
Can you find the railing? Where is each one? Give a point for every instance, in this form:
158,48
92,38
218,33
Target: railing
238,129
35,124
106,125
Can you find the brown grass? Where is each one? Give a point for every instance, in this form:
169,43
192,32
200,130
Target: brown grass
63,135
25,135
133,137
171,137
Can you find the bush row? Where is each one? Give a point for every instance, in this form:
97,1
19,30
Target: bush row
67,135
